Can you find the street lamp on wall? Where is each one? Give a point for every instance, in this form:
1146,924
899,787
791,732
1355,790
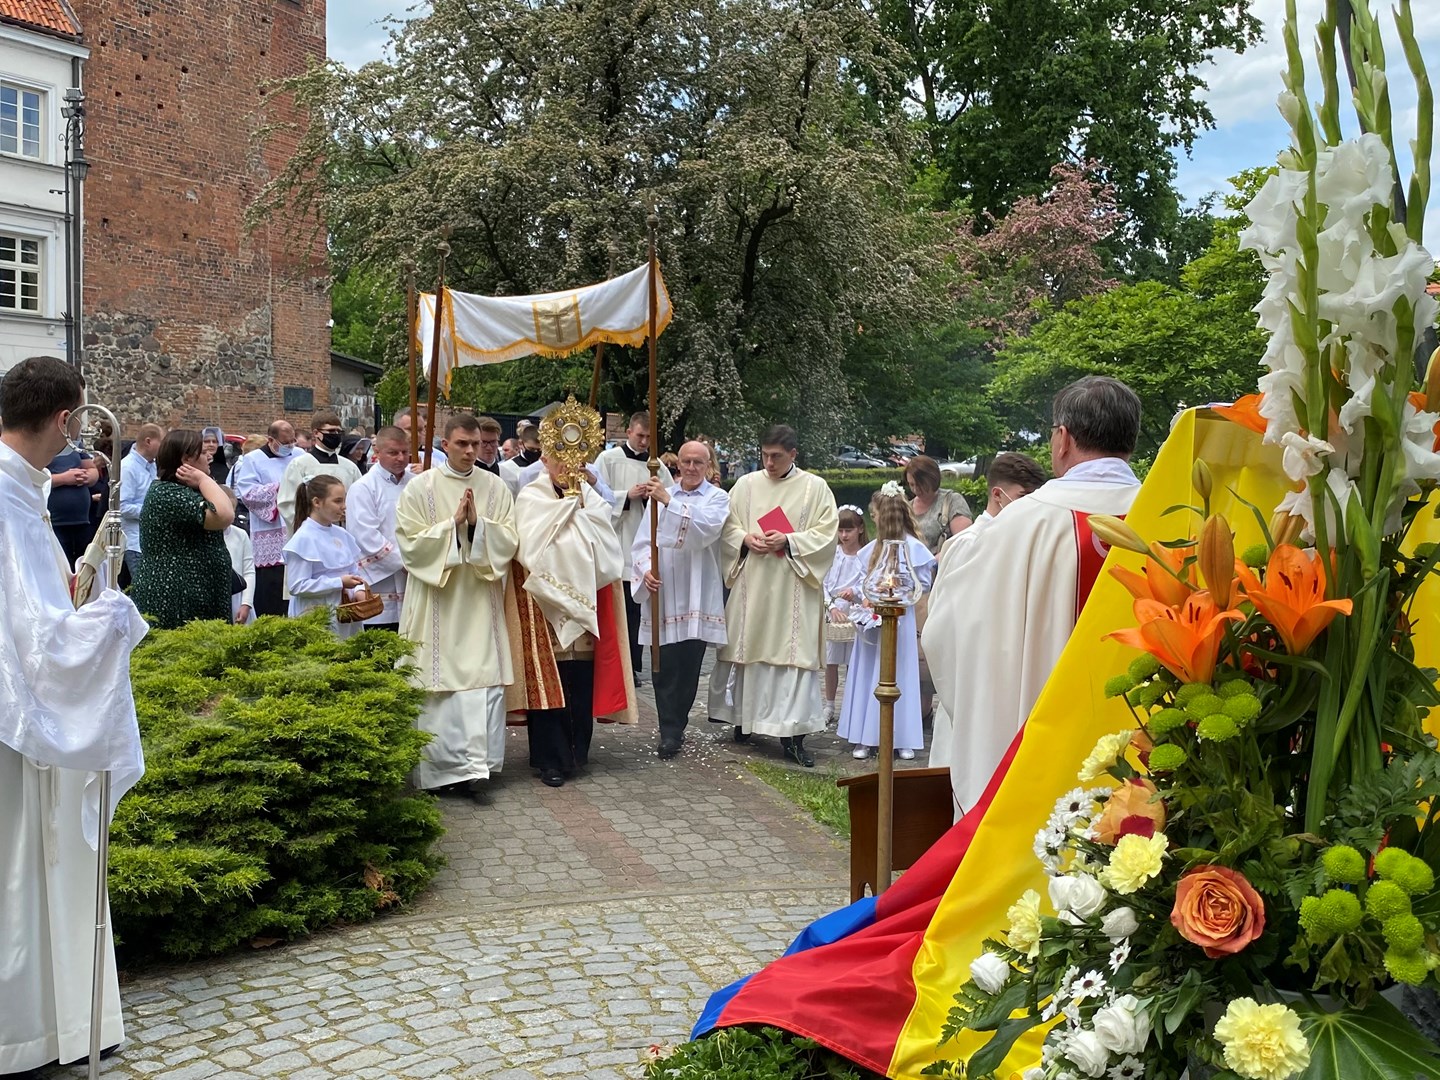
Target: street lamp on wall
77,167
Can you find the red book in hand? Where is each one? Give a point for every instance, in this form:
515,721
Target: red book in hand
776,521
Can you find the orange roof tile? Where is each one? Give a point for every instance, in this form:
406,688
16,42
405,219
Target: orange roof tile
51,16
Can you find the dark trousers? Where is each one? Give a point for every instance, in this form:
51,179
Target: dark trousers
393,627
560,738
676,684
632,622
270,590
74,539
128,568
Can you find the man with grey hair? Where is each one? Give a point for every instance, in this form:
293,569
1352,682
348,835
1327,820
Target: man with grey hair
1003,606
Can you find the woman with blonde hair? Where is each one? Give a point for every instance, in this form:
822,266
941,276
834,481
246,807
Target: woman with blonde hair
860,716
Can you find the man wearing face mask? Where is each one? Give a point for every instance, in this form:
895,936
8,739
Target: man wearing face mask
323,457
257,485
528,438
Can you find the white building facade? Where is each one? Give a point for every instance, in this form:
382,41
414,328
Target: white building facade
38,63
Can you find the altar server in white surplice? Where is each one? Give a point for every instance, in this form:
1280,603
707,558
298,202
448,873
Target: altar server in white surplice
692,595
1010,477
322,560
66,712
370,518
257,483
778,544
1004,604
455,526
625,468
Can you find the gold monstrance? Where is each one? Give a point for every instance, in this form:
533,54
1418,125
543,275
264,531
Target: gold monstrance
572,436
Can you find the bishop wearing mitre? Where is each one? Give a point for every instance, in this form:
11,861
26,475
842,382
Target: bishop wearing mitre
455,527
778,543
570,617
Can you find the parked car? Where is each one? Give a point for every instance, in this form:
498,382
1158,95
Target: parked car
964,468
850,458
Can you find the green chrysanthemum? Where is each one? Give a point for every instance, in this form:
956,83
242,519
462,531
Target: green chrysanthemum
1234,688
1217,728
1165,721
1144,667
1117,685
1255,556
1336,912
1190,691
1411,874
1150,694
1406,967
1242,709
1344,865
1167,758
1404,933
1384,900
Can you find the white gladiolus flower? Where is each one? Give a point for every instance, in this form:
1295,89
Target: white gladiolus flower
1120,924
1353,177
990,972
1077,893
1303,457
1123,1027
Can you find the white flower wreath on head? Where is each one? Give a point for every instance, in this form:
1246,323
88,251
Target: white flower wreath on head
893,489
851,507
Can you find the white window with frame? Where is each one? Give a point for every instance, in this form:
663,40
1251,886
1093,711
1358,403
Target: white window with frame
19,274
21,109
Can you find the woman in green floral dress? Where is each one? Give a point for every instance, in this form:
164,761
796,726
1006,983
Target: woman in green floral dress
184,571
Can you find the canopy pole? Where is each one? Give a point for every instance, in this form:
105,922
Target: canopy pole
652,222
432,391
412,325
595,375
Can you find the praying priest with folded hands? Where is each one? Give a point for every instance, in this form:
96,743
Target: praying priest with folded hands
777,546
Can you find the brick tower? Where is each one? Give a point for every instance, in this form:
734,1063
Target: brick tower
190,319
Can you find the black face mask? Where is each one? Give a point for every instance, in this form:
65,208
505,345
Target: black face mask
529,457
331,440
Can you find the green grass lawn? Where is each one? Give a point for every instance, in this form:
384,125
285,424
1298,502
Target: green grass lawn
817,795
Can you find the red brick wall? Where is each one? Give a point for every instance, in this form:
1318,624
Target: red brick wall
190,319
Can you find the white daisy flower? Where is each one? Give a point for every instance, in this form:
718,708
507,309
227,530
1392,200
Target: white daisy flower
1119,956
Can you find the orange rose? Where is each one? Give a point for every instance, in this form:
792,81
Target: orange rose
1217,909
1131,808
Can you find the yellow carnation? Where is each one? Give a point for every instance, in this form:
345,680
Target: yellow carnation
1024,932
1262,1042
1107,751
1135,860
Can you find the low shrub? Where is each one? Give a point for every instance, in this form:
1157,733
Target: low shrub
274,801
754,1053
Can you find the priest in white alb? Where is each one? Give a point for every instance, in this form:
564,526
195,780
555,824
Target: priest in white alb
778,543
1004,604
688,580
66,714
455,527
625,468
370,507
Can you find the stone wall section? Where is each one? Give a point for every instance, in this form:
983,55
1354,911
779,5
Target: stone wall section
190,318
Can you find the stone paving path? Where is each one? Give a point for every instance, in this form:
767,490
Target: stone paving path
571,930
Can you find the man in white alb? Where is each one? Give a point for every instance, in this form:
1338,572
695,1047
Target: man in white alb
455,527
66,711
1004,605
692,594
626,471
257,484
370,507
778,543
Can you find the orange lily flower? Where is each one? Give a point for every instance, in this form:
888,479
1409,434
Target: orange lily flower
1245,412
1293,597
1418,399
1186,640
1155,582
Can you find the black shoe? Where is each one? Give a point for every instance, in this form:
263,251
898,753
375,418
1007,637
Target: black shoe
740,735
552,778
795,751
668,749
479,790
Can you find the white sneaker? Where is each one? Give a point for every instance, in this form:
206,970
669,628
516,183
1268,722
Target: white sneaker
907,755
860,753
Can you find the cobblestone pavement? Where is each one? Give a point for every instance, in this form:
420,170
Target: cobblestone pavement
571,929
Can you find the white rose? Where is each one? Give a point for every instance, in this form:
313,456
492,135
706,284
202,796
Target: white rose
1123,1027
990,972
1087,1053
1036,1073
1079,893
1120,924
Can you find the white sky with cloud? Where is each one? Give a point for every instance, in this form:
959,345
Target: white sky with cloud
1249,131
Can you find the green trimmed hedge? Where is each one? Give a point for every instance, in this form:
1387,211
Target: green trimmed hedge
274,801
754,1053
